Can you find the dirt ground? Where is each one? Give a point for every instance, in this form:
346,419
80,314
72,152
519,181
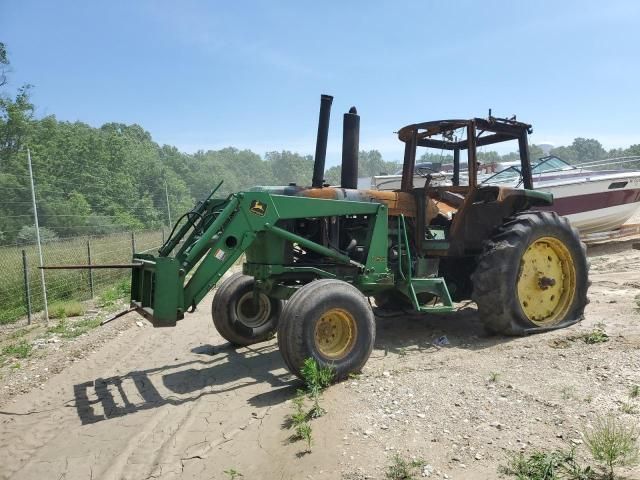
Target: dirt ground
131,402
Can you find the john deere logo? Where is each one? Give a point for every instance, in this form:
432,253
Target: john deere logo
258,208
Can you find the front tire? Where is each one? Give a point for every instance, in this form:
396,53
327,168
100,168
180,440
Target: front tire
238,318
532,275
330,321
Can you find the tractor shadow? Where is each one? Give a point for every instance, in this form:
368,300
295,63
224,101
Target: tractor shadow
221,369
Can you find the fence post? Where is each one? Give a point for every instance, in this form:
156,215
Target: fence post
133,243
162,235
27,292
37,225
91,269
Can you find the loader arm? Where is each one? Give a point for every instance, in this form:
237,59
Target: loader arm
164,287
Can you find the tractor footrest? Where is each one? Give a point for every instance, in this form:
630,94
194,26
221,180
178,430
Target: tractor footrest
435,286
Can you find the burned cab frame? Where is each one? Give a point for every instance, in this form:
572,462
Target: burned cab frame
478,209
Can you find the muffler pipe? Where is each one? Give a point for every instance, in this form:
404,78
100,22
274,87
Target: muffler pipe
350,148
321,142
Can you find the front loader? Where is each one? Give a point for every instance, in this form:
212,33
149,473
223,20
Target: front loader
314,257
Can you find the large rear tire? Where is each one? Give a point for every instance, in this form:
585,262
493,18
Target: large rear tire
330,321
238,318
532,275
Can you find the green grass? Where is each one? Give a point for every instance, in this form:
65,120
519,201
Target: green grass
628,408
494,376
69,308
567,392
21,349
316,379
546,465
634,391
299,421
118,291
613,443
21,332
67,329
402,469
597,335
233,473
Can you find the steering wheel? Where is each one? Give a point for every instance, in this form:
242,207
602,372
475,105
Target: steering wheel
430,173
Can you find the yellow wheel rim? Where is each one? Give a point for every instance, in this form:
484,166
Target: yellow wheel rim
335,333
546,281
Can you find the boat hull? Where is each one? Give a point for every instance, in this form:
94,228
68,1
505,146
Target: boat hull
593,205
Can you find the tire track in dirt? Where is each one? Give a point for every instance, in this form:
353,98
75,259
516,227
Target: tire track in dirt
152,403
21,441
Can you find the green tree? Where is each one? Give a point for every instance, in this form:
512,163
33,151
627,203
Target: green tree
67,216
288,167
581,150
4,64
370,163
588,150
332,175
28,235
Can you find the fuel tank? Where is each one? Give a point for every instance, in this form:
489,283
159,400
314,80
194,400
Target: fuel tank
397,202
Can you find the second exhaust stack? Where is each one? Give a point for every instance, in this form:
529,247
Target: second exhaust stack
350,148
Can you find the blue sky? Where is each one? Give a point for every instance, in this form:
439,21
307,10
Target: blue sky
202,75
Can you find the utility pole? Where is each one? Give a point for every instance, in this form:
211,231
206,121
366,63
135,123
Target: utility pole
35,215
166,194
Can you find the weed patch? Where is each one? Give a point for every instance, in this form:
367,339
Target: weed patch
567,392
613,443
316,379
66,309
17,350
67,329
540,465
597,335
110,296
21,332
402,469
628,408
233,473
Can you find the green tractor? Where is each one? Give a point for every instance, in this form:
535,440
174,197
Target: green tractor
314,257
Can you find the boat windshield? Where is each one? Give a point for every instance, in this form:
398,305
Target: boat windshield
508,175
543,165
550,164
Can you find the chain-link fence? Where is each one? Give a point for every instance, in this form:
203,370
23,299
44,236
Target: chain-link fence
21,292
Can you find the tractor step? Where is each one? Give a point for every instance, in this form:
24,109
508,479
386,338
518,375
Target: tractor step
435,286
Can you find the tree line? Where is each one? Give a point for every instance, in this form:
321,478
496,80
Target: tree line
92,181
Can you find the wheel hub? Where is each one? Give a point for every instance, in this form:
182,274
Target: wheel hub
546,281
253,312
335,333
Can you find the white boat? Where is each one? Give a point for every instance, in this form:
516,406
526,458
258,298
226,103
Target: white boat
593,196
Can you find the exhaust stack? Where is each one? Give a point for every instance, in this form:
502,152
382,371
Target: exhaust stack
350,148
321,142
